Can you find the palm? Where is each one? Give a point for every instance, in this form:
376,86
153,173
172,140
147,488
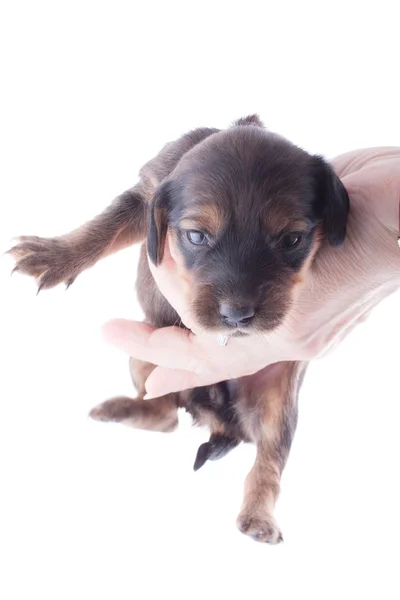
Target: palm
342,287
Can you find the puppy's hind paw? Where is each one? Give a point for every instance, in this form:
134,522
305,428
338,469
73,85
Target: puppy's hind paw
116,410
263,530
156,415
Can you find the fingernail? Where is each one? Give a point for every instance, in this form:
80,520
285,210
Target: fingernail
148,397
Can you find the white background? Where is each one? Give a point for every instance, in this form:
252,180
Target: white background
90,91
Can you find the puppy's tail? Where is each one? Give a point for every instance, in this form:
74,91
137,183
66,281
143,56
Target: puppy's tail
217,447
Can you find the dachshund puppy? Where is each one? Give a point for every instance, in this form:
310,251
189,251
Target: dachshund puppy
245,212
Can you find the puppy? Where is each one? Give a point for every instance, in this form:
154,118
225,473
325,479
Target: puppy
245,212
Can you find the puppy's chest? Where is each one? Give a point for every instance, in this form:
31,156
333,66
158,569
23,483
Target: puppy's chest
231,408
226,409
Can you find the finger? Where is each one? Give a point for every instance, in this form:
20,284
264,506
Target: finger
121,332
163,381
173,286
169,347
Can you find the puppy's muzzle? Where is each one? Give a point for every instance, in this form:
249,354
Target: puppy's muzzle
236,316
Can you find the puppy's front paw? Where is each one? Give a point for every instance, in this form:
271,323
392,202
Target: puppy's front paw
261,529
49,260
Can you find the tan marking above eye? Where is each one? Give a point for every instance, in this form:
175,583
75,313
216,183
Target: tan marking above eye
288,225
300,226
282,215
205,217
190,224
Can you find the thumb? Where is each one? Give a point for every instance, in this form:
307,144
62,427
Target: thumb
163,381
169,347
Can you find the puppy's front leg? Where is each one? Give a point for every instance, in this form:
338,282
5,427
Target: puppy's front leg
278,415
61,259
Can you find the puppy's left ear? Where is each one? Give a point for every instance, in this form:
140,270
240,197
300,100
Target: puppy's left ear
332,201
158,223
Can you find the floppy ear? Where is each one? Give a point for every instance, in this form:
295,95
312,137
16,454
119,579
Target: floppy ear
332,201
158,223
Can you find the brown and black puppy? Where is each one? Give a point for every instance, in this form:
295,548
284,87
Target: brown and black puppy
245,212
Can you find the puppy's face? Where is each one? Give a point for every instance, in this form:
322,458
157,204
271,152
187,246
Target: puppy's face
245,210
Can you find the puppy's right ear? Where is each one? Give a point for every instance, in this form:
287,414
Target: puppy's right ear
158,223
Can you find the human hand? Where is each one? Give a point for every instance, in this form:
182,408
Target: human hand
343,285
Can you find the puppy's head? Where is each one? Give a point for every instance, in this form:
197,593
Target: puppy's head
245,211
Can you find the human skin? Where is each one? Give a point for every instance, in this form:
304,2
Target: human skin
341,288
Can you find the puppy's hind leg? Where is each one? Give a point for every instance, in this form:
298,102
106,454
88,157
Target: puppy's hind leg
278,418
158,414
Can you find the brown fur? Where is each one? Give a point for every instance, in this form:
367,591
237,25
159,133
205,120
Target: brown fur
229,185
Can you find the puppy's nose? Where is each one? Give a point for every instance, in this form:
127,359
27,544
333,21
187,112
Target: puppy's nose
236,316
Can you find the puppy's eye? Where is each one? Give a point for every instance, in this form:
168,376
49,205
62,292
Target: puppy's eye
290,240
196,237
